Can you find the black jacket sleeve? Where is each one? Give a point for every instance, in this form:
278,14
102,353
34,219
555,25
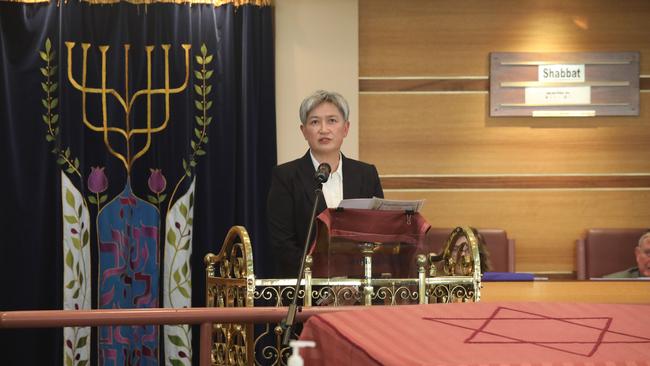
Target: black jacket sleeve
282,222
378,191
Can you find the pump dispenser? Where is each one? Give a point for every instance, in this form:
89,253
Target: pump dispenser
295,359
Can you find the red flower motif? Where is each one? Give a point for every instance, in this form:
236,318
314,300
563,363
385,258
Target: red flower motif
97,181
157,182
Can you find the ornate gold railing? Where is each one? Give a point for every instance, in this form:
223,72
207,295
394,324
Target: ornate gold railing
231,282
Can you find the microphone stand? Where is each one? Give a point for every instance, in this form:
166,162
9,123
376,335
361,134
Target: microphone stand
287,323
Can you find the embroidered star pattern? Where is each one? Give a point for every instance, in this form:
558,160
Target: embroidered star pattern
575,335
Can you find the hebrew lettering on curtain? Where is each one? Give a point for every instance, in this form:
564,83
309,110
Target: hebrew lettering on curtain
155,124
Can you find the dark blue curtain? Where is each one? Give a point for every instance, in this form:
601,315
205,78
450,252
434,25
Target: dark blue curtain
230,159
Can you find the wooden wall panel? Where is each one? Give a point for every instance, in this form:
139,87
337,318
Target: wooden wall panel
424,121
425,37
453,134
544,223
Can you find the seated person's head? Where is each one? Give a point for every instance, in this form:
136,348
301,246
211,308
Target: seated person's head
642,252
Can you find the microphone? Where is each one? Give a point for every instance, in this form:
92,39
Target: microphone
321,176
322,173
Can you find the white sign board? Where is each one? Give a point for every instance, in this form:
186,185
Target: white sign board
570,95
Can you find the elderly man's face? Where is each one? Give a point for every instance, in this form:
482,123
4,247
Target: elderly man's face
643,257
325,129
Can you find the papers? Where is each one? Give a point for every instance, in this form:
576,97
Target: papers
376,203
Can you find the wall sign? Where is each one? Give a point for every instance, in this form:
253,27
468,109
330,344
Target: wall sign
576,84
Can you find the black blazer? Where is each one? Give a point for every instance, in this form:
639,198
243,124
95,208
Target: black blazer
290,202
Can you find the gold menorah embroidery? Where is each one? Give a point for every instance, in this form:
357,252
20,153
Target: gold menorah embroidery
125,101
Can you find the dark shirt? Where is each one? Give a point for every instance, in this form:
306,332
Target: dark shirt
290,202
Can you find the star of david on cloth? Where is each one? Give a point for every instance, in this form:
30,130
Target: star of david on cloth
575,335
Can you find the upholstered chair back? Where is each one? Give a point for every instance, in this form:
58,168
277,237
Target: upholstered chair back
604,251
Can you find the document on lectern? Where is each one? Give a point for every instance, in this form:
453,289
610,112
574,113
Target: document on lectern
377,203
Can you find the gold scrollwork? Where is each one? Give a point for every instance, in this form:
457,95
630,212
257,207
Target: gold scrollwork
236,286
232,342
461,254
268,293
449,293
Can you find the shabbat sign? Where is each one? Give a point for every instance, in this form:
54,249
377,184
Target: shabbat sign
564,84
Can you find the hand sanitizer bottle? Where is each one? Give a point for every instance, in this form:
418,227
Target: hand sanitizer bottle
295,359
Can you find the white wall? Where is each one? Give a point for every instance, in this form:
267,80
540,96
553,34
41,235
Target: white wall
316,47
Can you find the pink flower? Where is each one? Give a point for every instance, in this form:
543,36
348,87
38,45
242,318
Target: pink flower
157,182
97,181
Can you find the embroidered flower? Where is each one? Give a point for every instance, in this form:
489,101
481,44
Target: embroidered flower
157,182
97,181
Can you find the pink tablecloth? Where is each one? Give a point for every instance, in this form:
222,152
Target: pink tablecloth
489,334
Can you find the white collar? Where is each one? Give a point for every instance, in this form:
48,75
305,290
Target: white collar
339,169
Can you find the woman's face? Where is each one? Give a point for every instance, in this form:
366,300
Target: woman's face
325,129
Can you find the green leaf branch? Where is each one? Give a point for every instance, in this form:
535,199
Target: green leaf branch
202,104
179,242
72,346
50,102
97,199
80,239
183,343
200,138
157,199
179,239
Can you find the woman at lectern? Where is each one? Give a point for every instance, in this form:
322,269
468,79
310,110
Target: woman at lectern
324,125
